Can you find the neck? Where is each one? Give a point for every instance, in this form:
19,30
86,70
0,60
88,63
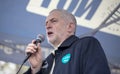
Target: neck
57,45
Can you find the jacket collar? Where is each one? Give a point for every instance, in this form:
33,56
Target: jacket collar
68,42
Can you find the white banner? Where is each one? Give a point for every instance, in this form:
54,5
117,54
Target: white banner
89,13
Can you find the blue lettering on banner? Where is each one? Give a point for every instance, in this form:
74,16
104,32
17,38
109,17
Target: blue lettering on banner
82,8
92,6
45,3
61,4
73,5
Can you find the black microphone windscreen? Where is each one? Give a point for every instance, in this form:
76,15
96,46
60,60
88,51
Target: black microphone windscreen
41,37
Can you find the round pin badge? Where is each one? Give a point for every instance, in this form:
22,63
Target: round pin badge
66,58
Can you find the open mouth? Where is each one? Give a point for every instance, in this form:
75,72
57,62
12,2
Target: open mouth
50,33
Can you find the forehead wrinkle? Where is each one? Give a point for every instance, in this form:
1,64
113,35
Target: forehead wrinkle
65,15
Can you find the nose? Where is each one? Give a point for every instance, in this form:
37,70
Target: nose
48,25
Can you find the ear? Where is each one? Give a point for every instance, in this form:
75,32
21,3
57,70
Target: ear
70,27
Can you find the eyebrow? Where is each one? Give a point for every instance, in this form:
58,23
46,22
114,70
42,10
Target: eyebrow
51,19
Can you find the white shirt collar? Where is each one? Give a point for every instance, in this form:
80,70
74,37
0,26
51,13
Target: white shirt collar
55,48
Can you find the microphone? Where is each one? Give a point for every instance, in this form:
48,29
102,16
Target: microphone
40,38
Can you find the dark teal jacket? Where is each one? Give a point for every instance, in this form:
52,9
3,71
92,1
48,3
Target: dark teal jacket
77,56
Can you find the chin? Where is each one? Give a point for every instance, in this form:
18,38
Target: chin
50,39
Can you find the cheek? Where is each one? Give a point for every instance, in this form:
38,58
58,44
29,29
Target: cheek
61,31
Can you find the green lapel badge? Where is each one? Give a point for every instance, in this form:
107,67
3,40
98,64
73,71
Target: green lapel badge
66,58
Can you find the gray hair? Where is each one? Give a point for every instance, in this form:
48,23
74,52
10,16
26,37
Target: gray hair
66,15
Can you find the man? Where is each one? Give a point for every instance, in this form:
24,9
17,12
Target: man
71,55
